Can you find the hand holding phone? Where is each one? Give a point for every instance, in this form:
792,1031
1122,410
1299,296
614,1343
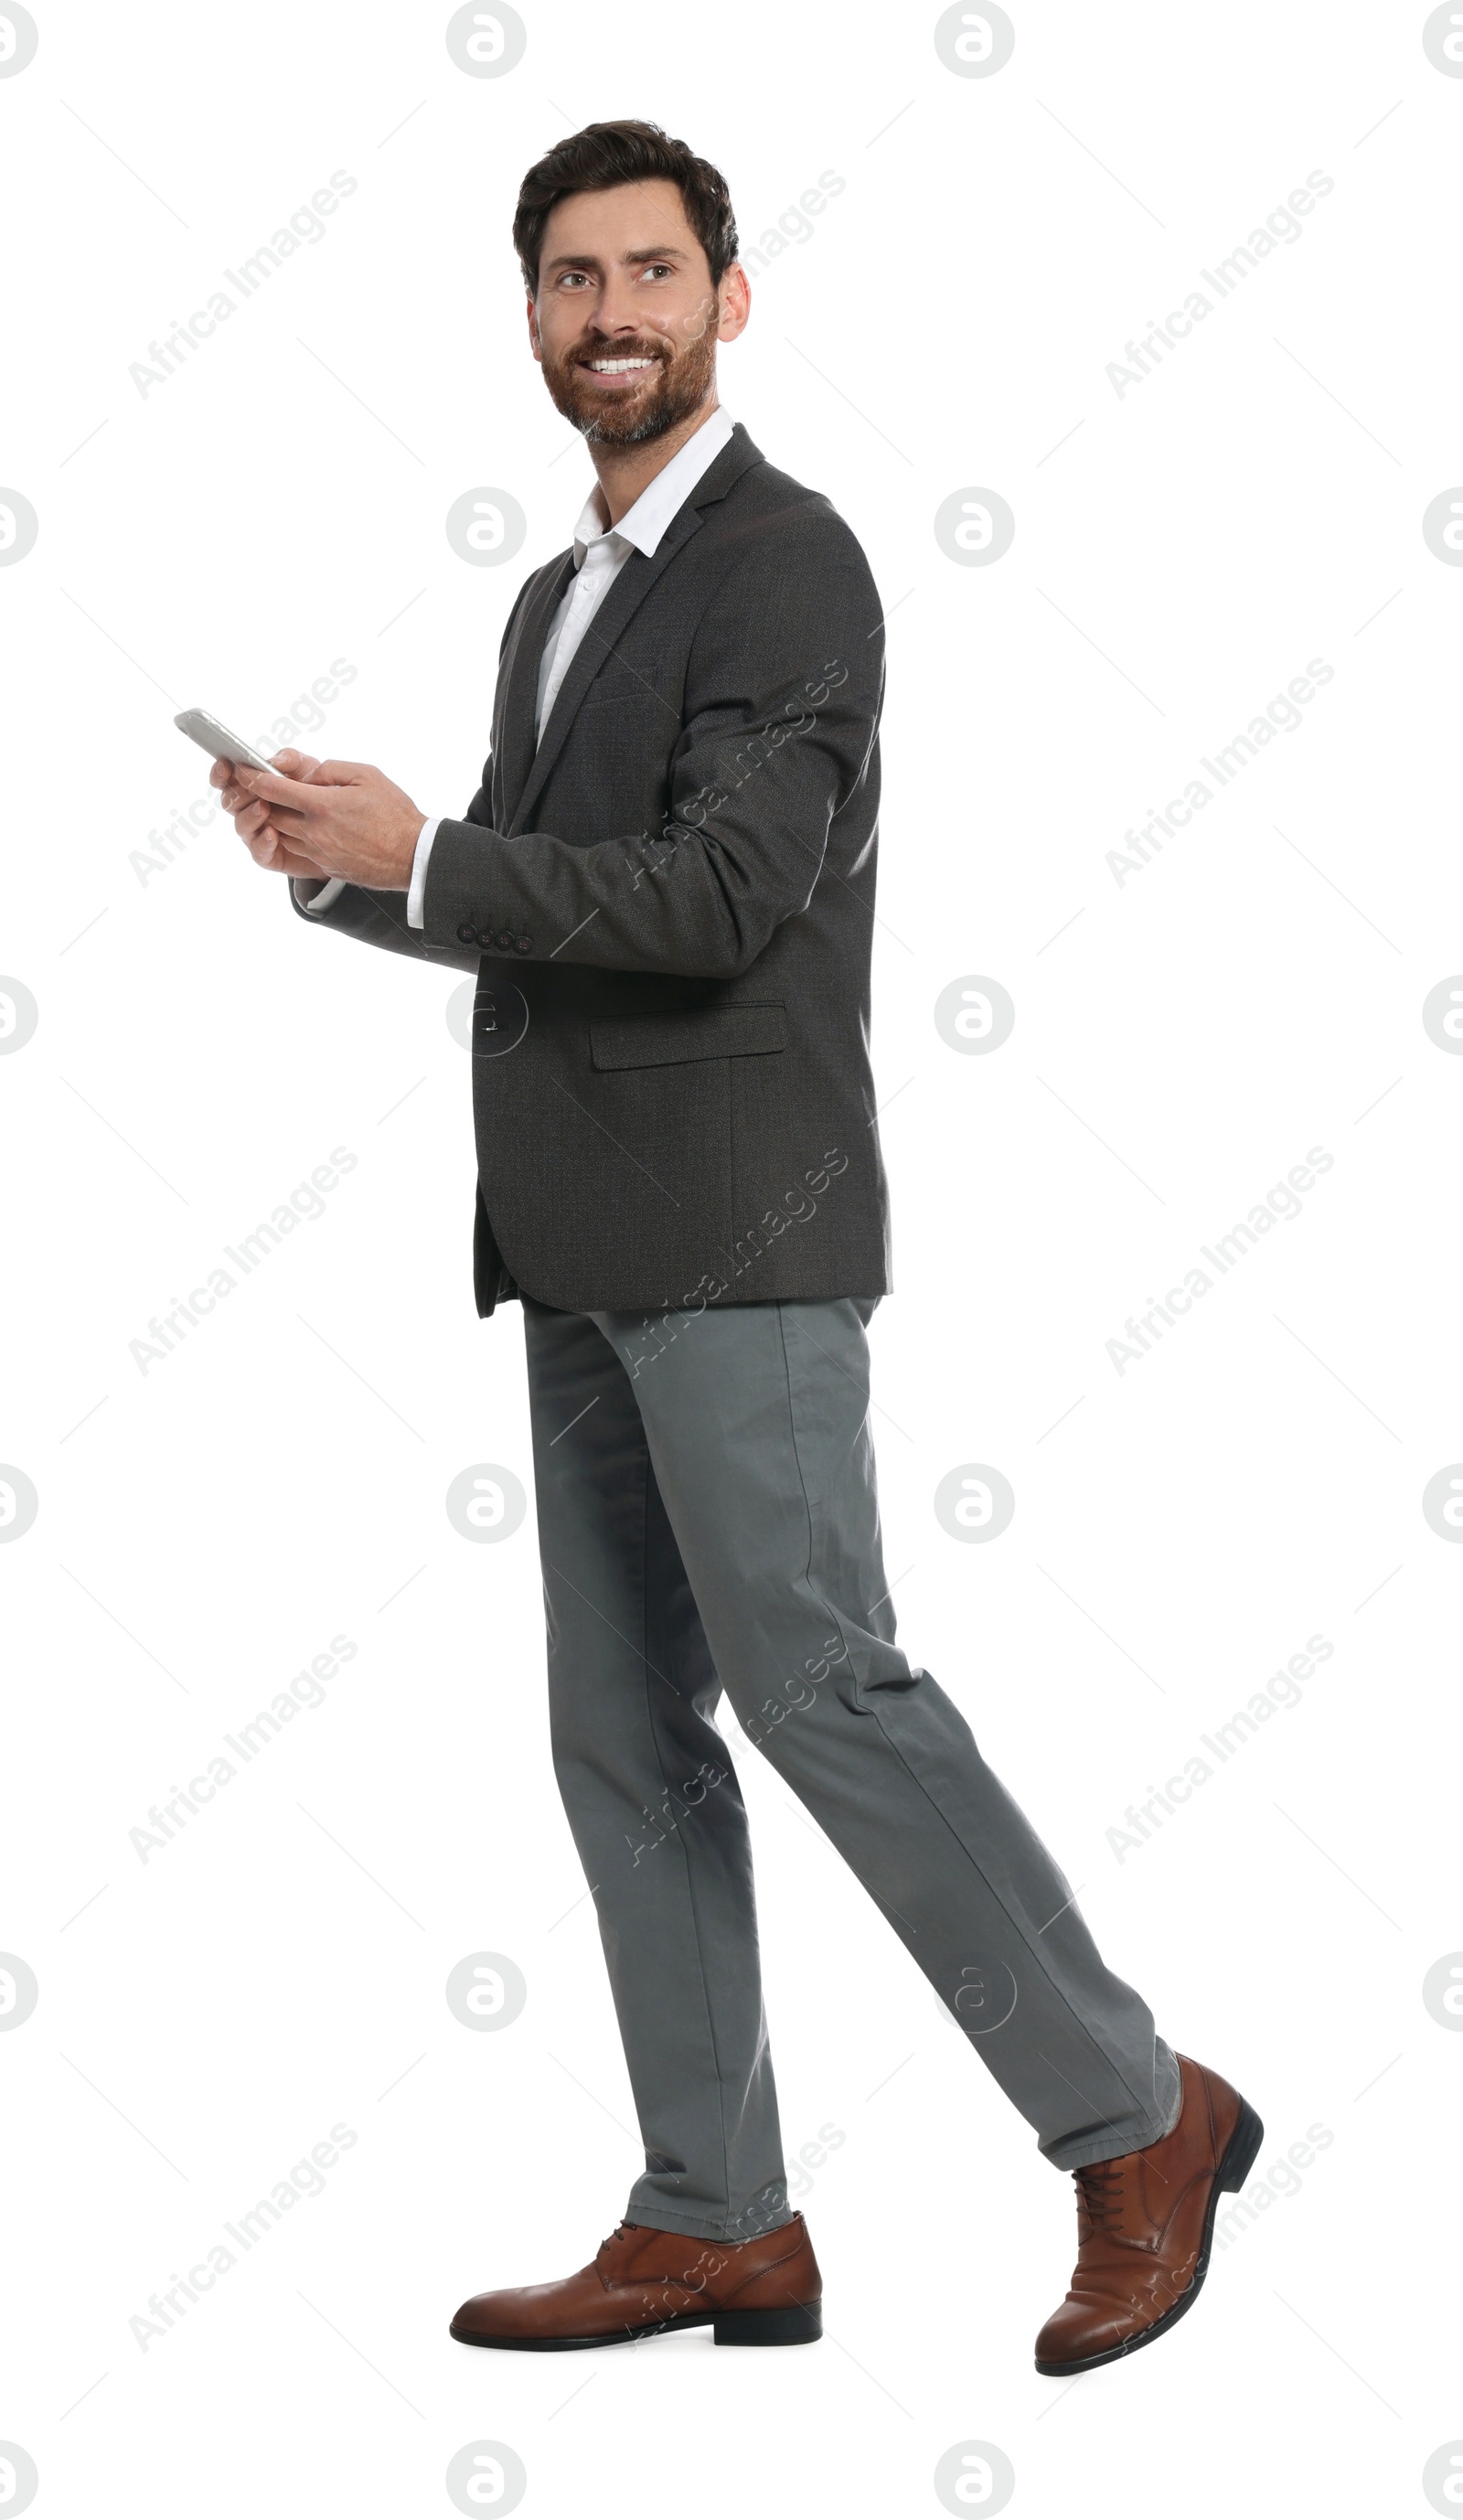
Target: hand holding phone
293,813
266,843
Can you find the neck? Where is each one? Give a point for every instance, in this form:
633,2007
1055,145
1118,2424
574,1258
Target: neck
624,472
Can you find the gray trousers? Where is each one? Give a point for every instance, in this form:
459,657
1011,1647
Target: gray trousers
708,1520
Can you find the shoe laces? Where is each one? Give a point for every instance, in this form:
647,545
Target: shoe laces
1101,2185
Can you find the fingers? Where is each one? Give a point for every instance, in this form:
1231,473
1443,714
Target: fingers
294,765
318,774
278,854
237,801
286,817
262,842
267,844
220,772
260,837
275,787
291,861
259,834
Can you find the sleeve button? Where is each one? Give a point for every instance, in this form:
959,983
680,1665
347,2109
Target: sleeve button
523,944
467,935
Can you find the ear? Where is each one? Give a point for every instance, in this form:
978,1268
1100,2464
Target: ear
735,296
534,343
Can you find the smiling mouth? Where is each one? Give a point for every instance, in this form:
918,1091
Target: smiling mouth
617,367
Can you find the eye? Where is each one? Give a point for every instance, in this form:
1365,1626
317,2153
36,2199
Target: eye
567,279
652,268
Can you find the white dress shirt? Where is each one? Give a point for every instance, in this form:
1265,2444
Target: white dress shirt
600,555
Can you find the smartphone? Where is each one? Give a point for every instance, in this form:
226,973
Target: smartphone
217,741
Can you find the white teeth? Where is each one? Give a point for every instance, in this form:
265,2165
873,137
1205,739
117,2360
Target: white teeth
616,367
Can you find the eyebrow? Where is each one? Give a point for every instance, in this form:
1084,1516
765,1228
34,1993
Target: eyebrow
636,253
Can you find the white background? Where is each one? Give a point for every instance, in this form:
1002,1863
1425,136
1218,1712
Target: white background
1182,1038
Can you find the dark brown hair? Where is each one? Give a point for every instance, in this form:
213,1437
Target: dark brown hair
607,153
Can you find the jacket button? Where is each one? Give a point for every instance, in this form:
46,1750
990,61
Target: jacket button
523,944
467,935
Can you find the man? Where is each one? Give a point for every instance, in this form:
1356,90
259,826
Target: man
665,884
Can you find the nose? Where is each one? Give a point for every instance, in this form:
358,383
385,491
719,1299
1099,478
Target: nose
616,312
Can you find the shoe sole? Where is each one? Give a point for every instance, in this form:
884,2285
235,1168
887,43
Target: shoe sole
798,2324
1235,2166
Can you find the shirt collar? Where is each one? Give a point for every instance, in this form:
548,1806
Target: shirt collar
643,525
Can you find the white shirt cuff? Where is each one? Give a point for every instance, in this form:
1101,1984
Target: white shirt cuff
417,892
327,893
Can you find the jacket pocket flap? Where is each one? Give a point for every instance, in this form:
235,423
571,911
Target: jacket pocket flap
710,1032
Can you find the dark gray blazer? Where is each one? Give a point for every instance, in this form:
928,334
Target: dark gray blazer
669,905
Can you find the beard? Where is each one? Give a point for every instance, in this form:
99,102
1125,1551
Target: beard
667,393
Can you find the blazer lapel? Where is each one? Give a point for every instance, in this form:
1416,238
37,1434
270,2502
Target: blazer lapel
514,741
614,615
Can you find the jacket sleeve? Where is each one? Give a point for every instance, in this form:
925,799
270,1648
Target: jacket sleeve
381,918
784,683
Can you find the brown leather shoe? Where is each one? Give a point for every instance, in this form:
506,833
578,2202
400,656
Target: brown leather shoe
643,2282
1144,2223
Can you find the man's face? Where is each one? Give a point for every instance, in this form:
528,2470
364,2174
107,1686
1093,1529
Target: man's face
626,320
